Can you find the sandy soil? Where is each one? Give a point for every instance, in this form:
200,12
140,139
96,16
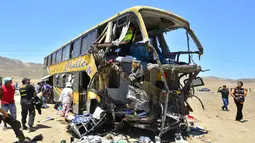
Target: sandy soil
221,124
53,131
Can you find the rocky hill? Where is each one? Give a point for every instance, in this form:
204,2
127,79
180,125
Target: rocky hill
18,69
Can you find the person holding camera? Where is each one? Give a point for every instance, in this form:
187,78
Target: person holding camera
224,94
239,95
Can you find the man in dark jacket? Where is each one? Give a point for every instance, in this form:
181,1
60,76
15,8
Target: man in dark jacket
27,92
224,94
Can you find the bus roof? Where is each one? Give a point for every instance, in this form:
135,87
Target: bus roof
135,10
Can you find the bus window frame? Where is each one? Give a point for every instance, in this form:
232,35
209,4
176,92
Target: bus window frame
74,47
69,48
45,64
56,80
87,36
49,60
62,79
57,52
53,57
126,16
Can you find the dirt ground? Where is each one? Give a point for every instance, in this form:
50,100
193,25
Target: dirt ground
53,131
221,124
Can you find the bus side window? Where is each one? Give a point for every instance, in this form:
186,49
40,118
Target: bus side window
57,80
71,50
66,52
84,47
63,80
49,60
53,58
59,56
114,80
76,48
45,62
70,78
87,41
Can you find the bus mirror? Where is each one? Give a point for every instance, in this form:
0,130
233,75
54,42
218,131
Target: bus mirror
197,81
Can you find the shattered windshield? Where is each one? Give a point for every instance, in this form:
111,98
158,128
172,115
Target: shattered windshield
177,41
168,35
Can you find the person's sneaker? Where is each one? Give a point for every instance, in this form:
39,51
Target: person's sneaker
242,120
24,127
222,108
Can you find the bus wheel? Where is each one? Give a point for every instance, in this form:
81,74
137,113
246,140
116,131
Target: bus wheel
93,105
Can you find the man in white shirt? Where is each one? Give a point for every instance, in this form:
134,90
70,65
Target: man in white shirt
66,98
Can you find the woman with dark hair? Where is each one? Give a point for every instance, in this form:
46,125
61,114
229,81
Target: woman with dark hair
239,95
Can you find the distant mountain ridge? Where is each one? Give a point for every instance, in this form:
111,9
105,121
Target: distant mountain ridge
18,69
228,79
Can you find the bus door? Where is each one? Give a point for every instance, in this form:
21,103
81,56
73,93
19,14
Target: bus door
80,83
76,93
84,81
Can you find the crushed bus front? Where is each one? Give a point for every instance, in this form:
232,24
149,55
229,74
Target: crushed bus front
145,86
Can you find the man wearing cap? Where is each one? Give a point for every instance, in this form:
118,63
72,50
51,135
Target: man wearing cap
7,101
27,92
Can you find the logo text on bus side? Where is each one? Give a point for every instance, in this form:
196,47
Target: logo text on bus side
82,63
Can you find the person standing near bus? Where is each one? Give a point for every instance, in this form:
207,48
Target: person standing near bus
27,92
45,93
38,87
224,94
7,101
239,95
66,97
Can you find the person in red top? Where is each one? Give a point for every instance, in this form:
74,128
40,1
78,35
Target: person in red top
7,101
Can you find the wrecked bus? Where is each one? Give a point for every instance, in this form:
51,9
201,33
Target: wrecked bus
124,66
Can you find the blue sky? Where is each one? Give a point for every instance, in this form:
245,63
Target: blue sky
29,29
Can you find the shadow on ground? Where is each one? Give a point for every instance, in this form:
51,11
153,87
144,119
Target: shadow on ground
197,131
41,126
